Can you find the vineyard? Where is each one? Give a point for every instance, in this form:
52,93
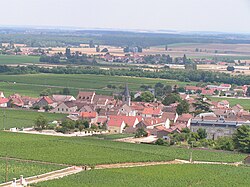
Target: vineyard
17,168
91,151
23,118
164,175
39,82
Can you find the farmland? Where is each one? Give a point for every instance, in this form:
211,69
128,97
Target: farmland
27,169
92,151
18,59
33,84
164,175
23,118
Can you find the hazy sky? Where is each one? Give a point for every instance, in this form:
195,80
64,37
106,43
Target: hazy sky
195,15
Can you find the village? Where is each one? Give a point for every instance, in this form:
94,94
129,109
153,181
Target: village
92,114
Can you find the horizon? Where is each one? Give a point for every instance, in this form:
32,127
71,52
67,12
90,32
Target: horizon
159,15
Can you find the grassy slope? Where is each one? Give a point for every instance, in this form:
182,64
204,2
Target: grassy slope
17,168
22,118
35,83
165,175
90,151
12,59
243,102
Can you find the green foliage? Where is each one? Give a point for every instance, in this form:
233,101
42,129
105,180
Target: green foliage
171,98
183,107
202,133
147,97
241,138
41,122
141,133
201,105
224,143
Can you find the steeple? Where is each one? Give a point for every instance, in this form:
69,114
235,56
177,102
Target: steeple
126,98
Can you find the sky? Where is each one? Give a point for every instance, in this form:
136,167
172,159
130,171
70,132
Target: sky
182,15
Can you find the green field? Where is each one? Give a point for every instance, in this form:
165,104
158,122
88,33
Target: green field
23,118
92,151
18,59
27,169
164,175
243,102
33,84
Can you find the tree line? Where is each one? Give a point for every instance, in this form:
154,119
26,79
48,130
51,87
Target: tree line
180,75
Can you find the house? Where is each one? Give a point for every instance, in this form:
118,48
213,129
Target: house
160,132
87,97
184,119
130,121
67,107
192,89
15,101
116,125
216,128
45,101
127,111
151,112
63,98
4,102
28,101
89,116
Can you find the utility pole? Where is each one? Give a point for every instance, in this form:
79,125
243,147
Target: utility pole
191,153
6,170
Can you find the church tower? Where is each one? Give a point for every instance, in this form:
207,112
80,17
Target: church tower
126,98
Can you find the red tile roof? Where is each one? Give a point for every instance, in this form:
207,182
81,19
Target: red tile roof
88,114
152,111
4,100
128,120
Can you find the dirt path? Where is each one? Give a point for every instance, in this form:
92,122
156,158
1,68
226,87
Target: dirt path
47,176
138,164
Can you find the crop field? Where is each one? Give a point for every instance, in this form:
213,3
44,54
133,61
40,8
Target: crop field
27,169
23,118
12,59
163,175
92,151
233,101
33,84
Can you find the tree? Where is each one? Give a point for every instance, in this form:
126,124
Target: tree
183,107
86,124
81,127
224,143
147,97
202,133
141,133
241,138
41,122
159,141
201,105
171,98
